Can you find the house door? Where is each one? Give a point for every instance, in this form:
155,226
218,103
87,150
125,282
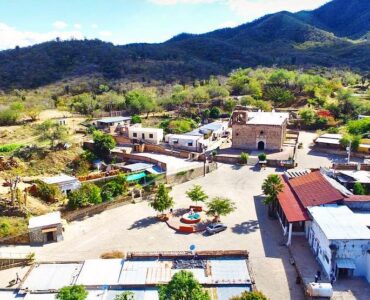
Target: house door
49,237
261,145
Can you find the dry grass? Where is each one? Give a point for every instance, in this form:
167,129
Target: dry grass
112,254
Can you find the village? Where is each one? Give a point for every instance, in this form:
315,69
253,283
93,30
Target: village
249,202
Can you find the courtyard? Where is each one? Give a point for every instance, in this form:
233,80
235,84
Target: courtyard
134,227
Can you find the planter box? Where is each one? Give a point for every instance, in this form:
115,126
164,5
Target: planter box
186,229
196,208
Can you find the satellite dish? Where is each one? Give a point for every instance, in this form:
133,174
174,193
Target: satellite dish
192,247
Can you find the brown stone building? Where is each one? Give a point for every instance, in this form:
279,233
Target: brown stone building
258,130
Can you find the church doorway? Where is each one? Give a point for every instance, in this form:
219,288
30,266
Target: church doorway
261,145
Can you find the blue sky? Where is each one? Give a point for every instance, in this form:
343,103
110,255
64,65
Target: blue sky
27,22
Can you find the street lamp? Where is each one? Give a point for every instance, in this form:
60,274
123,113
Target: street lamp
349,151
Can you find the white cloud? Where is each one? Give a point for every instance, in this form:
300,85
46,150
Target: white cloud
252,9
77,26
11,37
105,33
60,25
173,2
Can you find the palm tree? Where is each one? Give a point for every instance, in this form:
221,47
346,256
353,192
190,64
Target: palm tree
271,187
219,206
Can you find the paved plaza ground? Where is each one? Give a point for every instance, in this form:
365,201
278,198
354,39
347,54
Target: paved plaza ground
134,227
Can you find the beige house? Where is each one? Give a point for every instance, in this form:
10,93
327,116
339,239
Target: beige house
151,135
258,130
46,228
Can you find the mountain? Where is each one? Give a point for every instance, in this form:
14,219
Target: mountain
333,35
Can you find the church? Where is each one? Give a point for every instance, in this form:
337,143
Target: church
258,130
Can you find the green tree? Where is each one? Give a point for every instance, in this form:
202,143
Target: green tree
74,292
135,119
359,126
254,88
220,206
48,192
127,295
183,286
196,194
140,101
162,200
103,143
52,132
279,95
229,105
308,116
214,112
84,103
255,295
271,187
89,193
111,190
283,77
9,117
238,81
358,189
348,139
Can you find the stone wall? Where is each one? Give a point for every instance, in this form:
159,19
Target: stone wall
191,174
38,237
248,136
22,239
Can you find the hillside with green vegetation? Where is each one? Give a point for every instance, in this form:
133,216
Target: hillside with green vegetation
334,35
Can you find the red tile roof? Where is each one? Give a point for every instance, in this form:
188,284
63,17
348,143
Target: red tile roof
313,189
357,198
293,210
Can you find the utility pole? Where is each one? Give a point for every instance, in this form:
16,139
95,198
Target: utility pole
349,151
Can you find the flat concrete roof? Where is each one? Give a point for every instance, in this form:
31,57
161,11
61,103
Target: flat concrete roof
266,118
45,220
62,178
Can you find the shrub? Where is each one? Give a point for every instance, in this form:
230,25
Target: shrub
48,192
333,130
74,292
280,95
111,190
9,117
244,158
103,143
112,254
255,295
262,157
359,189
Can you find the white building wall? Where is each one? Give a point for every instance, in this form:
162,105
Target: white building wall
353,249
368,267
184,142
154,136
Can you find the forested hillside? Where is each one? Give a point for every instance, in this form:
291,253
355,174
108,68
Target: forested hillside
331,36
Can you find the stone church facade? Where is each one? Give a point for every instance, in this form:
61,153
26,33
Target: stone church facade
258,130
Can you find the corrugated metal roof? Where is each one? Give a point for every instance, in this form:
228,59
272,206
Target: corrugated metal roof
45,277
139,294
313,189
113,119
292,208
339,223
227,292
322,140
39,297
230,271
45,220
100,272
135,271
8,295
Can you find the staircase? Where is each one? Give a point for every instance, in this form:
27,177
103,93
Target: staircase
252,160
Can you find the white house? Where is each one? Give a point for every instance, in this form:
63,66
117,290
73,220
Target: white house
340,240
213,131
65,182
194,143
152,135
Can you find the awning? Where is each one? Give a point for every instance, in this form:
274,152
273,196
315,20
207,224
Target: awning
46,230
345,263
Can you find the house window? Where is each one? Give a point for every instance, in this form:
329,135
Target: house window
151,135
134,134
175,142
143,135
190,144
